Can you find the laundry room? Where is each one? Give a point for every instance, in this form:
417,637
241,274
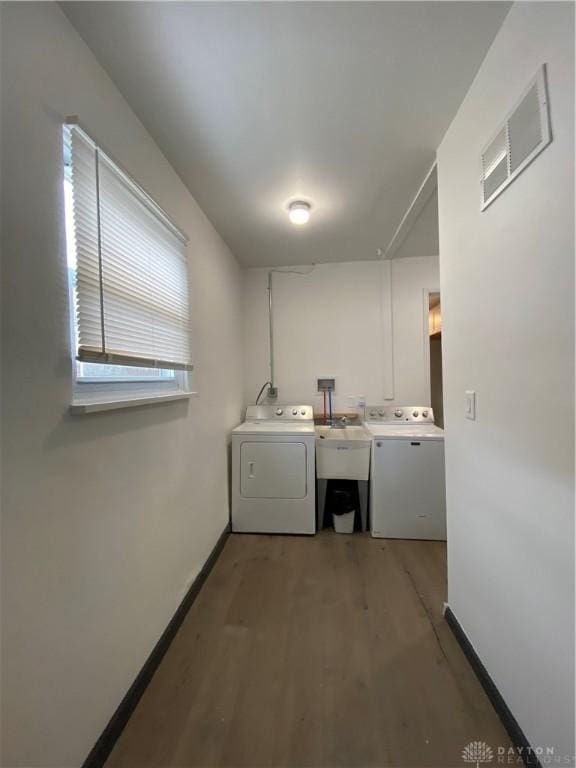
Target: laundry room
287,414
369,325
363,323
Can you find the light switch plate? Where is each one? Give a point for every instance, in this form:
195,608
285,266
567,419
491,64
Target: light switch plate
470,407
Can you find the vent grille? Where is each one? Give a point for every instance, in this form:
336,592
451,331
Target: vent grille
524,134
495,164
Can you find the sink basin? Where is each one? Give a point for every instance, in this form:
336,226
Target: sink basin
342,453
342,433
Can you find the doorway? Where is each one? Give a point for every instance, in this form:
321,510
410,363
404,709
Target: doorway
435,356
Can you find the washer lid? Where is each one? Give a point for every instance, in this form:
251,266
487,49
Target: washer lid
396,431
276,428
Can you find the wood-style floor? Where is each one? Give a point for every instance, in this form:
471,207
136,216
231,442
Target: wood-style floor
321,651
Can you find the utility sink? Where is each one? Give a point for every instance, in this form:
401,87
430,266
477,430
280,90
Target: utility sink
342,453
342,433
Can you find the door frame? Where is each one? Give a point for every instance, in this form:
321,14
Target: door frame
425,310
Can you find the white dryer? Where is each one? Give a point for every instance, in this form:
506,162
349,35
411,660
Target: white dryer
407,485
273,470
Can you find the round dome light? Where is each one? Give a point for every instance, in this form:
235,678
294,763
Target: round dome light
299,212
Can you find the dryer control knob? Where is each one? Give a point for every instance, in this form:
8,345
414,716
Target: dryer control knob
381,413
415,413
294,412
303,412
279,411
424,413
373,413
398,412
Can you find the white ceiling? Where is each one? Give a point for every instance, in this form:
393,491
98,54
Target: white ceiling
257,104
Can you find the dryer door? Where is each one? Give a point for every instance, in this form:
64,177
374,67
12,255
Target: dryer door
273,470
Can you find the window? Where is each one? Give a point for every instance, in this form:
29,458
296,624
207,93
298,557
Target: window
128,280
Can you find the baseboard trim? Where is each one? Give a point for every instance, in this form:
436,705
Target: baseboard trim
110,735
509,722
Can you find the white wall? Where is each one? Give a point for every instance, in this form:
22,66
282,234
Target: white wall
507,281
106,518
331,323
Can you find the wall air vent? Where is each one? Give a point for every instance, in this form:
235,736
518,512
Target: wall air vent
524,134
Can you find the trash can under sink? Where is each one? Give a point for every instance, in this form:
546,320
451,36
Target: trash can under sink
343,504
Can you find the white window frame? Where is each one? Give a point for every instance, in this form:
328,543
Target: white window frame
92,393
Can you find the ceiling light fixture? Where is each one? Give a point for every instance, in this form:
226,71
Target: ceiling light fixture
299,212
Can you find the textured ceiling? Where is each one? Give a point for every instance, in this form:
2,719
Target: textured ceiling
257,104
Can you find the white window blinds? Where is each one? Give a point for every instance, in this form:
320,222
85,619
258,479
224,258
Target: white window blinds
132,294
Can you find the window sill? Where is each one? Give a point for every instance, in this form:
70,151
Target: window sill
81,407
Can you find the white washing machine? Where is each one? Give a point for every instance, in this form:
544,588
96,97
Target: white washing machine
273,470
407,485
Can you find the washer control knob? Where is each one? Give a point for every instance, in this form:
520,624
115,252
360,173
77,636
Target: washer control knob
373,413
398,412
425,413
381,413
303,412
279,411
295,412
415,414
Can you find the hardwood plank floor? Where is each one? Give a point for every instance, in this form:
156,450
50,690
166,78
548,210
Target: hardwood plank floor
314,652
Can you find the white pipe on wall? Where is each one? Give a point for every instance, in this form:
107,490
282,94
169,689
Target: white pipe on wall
271,331
272,389
387,328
